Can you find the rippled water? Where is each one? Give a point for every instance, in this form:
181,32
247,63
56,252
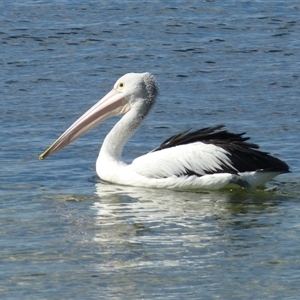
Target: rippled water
65,235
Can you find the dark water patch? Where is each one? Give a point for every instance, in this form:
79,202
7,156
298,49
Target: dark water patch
280,34
181,76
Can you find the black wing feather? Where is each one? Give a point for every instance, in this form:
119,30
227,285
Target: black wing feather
245,156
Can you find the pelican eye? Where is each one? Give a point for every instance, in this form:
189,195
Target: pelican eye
121,85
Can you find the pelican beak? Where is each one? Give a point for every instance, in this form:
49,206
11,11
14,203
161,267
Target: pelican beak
112,104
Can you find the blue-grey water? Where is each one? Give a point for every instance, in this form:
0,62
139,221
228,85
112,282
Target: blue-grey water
64,234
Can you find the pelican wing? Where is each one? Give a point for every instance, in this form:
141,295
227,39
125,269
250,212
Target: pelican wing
206,151
184,160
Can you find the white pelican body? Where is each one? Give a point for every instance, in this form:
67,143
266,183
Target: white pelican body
210,158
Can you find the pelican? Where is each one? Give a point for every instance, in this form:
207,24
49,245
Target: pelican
209,158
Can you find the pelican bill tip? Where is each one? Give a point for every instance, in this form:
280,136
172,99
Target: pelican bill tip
44,155
41,157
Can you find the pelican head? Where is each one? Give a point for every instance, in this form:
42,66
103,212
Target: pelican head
136,86
132,91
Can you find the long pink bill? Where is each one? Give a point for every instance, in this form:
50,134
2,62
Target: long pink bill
110,105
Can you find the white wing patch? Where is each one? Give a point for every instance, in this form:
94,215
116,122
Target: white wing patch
198,158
